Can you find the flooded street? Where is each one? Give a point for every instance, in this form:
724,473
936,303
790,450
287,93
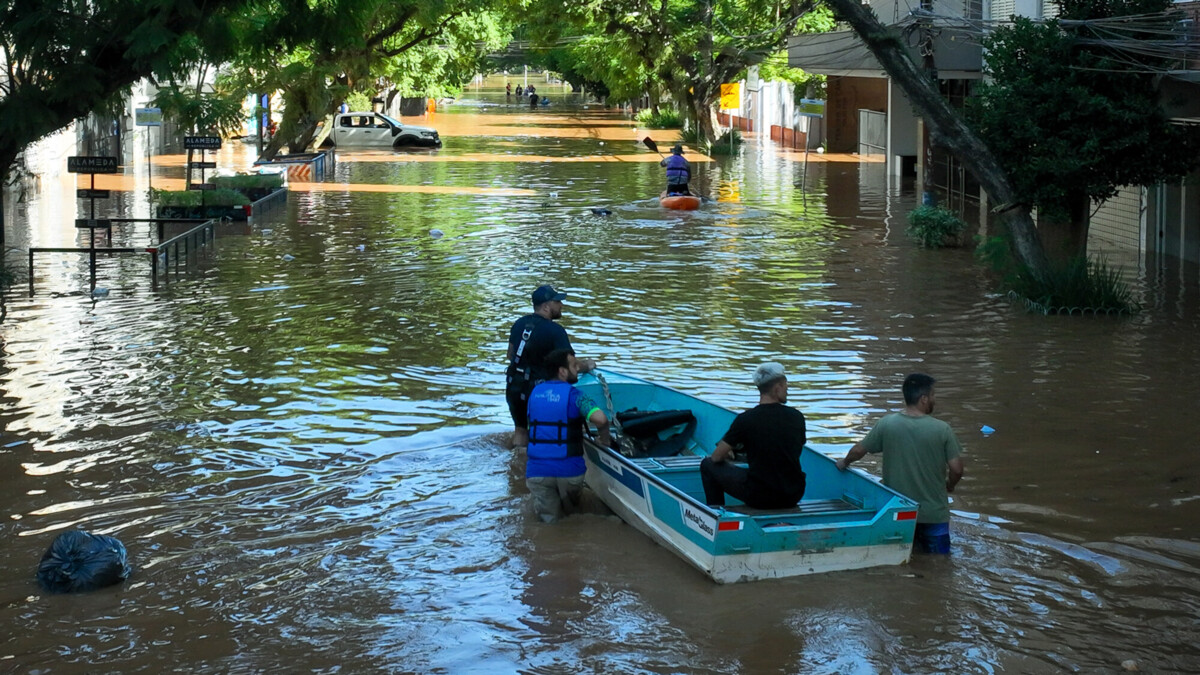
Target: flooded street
302,444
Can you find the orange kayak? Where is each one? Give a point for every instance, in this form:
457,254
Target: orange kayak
680,202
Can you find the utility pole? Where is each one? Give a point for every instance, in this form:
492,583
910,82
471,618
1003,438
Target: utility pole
925,45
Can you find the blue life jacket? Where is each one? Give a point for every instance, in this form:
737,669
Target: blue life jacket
677,170
555,428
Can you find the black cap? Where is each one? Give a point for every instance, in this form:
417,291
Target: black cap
546,294
677,150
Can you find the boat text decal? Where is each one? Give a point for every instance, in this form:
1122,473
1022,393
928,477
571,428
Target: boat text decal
613,466
698,521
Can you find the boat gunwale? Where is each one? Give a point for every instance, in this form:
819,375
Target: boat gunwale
628,461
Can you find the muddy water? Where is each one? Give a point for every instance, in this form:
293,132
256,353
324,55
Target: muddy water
301,442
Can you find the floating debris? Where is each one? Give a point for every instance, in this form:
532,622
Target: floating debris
436,233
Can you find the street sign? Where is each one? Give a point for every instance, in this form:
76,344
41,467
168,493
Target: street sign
731,96
202,186
93,223
147,117
202,165
92,164
811,107
201,142
92,194
753,83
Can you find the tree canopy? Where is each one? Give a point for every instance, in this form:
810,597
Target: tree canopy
1071,118
686,48
63,59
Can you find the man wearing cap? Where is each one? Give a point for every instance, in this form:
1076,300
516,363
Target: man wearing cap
770,436
922,459
530,339
679,172
554,466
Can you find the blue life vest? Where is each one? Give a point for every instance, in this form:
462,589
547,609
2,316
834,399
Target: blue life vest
677,170
555,429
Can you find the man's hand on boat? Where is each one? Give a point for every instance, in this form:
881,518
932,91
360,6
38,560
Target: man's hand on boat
586,365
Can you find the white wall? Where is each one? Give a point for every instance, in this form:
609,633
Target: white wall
902,128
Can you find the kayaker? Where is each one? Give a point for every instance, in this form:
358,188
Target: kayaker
533,97
679,172
530,339
770,436
921,460
554,468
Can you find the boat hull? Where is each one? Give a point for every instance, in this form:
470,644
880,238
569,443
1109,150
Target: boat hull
680,202
846,521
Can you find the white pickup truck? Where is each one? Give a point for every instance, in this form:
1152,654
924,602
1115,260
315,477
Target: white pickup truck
375,130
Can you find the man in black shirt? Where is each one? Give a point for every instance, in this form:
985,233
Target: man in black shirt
770,436
531,338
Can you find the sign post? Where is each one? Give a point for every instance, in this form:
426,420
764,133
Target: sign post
731,98
203,144
815,108
148,117
93,166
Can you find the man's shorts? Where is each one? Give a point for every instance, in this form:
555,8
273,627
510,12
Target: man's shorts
554,496
518,406
932,538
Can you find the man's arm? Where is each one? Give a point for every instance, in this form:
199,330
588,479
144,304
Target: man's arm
956,473
856,453
722,452
600,421
663,163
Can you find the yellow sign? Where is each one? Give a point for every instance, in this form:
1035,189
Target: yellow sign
731,96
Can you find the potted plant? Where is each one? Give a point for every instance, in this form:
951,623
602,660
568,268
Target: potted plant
202,204
254,185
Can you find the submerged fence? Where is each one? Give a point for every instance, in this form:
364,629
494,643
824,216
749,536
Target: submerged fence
193,241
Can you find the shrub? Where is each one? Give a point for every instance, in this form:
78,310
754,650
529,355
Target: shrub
200,198
934,226
248,180
691,137
665,118
724,146
1075,286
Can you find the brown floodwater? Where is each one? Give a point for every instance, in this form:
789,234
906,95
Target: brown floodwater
301,441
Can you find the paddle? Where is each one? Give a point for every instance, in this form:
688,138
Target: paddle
652,145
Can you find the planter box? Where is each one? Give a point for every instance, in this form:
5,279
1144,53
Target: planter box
269,197
230,212
258,194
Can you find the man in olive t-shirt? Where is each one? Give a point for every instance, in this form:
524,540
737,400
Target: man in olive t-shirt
921,460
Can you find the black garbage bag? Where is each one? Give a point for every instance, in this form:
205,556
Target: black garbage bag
79,561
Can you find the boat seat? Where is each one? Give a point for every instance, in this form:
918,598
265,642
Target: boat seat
805,507
644,428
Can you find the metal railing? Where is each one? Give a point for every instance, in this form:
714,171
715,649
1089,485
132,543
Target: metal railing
192,241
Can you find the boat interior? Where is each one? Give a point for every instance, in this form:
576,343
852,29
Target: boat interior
667,433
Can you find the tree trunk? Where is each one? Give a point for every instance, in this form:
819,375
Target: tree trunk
297,132
949,130
1066,237
706,119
